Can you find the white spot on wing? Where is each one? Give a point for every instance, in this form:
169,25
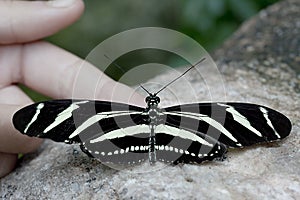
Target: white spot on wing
38,111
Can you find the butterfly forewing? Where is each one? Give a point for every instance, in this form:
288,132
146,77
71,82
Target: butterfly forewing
233,124
75,120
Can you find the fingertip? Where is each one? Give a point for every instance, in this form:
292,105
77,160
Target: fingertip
25,21
75,6
63,3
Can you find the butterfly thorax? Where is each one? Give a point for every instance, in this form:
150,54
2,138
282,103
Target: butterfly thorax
152,110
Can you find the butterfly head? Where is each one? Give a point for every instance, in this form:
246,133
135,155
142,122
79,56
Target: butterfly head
152,100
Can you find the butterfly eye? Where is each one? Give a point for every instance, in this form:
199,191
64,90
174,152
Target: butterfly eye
147,99
157,99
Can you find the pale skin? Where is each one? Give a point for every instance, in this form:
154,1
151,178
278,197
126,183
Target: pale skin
25,59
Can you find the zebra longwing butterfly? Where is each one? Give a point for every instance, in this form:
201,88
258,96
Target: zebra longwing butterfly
124,134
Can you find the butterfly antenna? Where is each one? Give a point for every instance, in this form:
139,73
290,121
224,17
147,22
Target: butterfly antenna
180,76
115,64
145,89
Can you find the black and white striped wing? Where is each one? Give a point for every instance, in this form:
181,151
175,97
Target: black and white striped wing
131,145
172,144
111,132
75,121
232,124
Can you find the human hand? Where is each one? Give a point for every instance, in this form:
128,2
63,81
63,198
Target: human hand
42,67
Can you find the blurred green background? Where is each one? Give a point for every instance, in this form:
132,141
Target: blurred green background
209,22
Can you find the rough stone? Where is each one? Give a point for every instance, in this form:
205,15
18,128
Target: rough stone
259,64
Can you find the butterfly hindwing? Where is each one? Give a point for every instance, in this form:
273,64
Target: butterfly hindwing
119,147
131,145
174,149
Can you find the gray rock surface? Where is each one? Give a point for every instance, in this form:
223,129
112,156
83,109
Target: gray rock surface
260,64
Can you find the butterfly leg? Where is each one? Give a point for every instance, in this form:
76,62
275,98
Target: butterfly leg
84,150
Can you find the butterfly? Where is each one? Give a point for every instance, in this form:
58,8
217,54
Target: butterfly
123,134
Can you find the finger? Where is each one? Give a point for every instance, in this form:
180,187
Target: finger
8,163
12,95
60,74
11,141
23,21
